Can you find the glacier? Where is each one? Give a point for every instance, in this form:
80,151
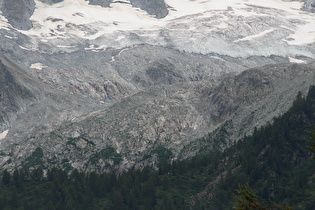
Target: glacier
235,28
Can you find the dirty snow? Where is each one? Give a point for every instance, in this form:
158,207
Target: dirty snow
4,134
256,36
38,66
294,60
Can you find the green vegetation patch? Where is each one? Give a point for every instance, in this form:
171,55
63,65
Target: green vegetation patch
164,154
108,152
35,159
213,141
72,141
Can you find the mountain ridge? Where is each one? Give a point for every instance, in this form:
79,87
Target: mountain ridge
171,116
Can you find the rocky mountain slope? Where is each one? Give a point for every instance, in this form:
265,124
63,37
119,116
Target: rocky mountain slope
171,116
28,106
108,85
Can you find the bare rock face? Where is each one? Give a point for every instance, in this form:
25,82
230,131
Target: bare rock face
11,91
237,92
18,12
27,105
51,1
309,5
102,3
157,8
12,96
238,105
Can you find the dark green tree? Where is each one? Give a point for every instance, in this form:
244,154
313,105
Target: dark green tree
312,144
13,201
6,177
17,179
247,200
3,201
37,174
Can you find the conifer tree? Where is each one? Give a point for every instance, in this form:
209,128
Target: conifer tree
312,145
6,177
247,200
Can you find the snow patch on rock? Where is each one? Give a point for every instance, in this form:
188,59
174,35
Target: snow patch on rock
295,60
38,66
4,134
256,36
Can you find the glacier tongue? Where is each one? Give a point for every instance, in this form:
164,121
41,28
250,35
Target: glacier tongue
235,28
